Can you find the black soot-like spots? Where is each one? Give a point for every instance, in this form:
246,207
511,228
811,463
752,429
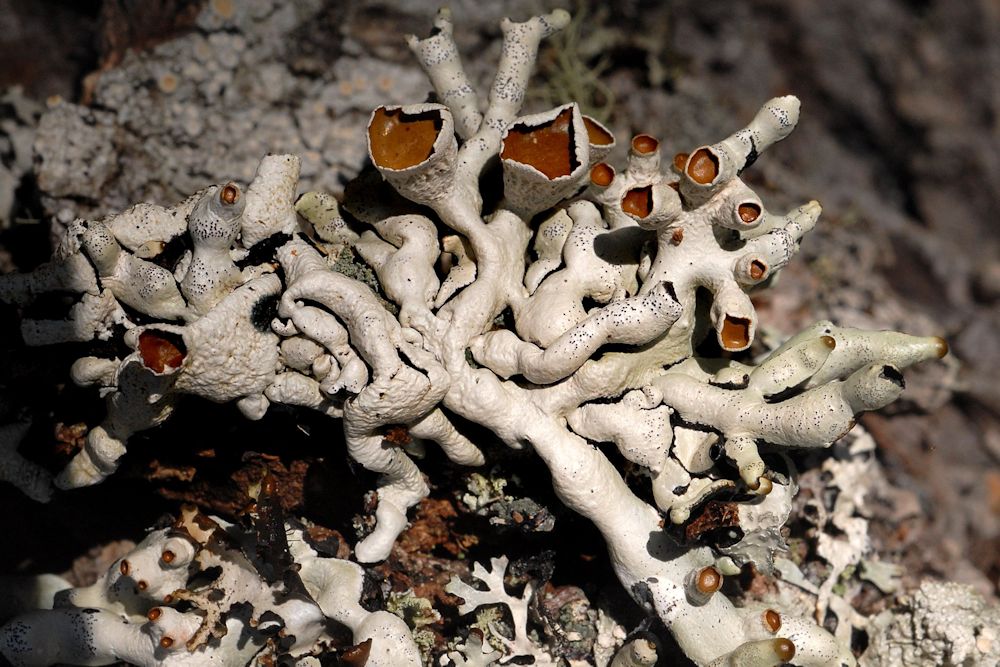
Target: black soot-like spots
263,312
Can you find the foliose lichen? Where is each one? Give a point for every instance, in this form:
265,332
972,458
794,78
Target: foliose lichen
599,275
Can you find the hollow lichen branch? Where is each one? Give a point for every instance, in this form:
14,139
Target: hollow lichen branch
566,316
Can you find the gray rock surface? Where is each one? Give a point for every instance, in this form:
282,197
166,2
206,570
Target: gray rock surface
940,624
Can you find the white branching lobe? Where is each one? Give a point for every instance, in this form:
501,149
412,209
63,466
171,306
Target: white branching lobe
595,271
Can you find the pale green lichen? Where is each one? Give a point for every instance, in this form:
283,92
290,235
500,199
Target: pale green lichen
491,622
418,613
577,59
483,490
349,263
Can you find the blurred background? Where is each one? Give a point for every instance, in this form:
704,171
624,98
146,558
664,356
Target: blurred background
104,103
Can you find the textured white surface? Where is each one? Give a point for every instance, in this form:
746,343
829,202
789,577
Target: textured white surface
589,339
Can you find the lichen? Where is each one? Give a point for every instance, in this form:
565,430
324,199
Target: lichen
582,295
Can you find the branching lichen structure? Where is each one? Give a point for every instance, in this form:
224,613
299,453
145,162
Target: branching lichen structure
524,285
235,617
